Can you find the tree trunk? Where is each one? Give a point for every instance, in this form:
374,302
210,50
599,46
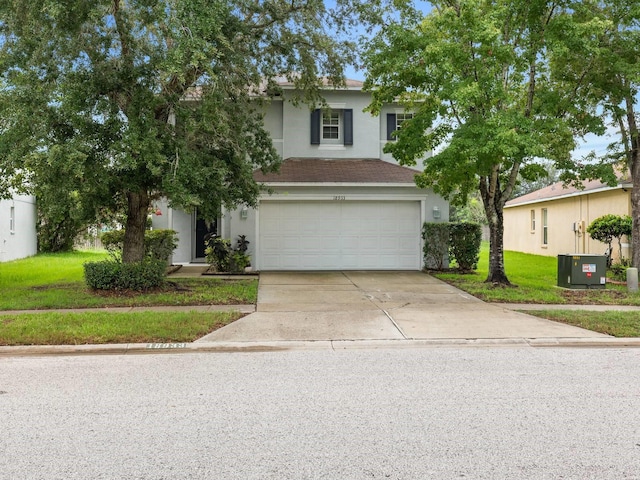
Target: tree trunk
137,210
633,160
496,248
492,199
635,211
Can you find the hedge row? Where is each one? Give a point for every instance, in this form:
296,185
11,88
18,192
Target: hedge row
444,240
114,275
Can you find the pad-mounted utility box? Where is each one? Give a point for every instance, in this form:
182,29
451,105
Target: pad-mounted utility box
582,271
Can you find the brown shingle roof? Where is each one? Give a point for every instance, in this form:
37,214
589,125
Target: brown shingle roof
283,82
558,190
353,170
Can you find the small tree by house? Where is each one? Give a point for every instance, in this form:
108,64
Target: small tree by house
608,227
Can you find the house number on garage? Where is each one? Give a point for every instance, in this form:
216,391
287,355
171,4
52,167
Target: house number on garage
339,197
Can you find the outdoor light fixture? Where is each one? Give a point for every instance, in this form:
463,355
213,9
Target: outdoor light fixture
244,212
436,212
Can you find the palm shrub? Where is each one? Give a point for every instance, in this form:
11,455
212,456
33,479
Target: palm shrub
223,257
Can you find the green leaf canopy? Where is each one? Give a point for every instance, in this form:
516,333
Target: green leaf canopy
127,101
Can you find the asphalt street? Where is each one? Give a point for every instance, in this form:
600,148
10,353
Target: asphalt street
406,413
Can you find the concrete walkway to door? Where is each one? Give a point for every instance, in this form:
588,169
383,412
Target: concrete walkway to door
313,306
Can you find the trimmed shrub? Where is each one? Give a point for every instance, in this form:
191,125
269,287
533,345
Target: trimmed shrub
464,244
608,227
158,244
114,275
436,244
102,275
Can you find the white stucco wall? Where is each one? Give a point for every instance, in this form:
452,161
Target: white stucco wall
21,240
297,128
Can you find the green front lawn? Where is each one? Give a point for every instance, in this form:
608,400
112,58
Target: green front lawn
56,281
534,278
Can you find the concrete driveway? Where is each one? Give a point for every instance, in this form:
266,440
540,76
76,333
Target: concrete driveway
308,306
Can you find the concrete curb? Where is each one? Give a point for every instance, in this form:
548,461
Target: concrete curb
274,346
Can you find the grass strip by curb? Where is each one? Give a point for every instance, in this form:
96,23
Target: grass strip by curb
615,323
55,328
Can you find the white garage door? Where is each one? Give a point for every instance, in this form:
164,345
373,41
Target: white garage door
338,235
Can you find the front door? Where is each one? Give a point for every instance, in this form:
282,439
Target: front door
203,228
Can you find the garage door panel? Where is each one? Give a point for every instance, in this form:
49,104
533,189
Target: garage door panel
339,235
367,243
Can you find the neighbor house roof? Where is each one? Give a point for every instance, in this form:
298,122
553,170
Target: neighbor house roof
558,190
353,170
195,93
348,83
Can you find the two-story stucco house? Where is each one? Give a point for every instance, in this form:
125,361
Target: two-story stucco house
18,230
338,201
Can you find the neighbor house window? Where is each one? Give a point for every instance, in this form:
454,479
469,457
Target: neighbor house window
332,126
545,238
533,221
12,219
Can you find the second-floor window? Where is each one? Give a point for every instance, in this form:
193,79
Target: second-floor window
332,126
394,123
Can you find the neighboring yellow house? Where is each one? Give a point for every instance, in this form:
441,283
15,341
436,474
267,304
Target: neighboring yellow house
554,219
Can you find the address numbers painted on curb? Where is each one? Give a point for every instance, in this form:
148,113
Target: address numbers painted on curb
166,345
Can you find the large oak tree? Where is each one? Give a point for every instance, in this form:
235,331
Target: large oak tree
487,97
127,101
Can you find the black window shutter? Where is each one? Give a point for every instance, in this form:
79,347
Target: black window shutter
347,117
391,125
315,127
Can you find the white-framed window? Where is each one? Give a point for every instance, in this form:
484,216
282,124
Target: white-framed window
333,126
12,219
331,123
394,123
401,117
545,234
533,221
